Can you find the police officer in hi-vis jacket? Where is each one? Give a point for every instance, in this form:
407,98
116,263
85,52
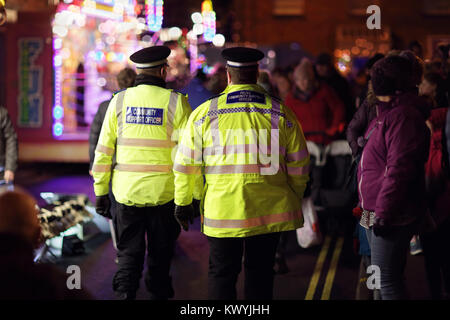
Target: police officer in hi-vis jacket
141,128
252,152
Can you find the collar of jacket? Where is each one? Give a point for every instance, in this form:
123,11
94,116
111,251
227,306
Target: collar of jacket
407,98
237,87
301,95
149,80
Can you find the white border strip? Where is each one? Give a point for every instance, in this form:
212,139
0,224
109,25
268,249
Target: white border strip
241,64
151,64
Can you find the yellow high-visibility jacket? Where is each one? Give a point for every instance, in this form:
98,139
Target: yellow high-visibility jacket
252,152
141,127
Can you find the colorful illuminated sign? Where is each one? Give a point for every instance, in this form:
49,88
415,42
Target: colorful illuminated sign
209,21
30,98
155,12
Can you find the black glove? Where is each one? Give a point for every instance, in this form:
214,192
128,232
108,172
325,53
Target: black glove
196,205
184,215
381,227
102,206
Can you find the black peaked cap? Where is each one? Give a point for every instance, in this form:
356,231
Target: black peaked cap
242,56
150,57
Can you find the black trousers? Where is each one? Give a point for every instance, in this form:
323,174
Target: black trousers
225,261
133,225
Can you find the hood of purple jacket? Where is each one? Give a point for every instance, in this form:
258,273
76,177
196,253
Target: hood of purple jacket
391,178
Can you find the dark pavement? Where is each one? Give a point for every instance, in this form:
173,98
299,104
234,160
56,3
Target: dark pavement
335,280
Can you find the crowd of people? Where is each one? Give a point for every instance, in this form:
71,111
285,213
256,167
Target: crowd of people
409,100
395,117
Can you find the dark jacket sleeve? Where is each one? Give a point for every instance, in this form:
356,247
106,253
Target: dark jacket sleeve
96,127
407,143
357,127
10,140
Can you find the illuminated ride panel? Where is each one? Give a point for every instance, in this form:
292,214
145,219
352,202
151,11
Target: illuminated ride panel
92,41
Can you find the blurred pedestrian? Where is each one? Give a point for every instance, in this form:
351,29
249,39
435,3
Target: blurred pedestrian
196,90
327,72
217,80
317,107
416,47
391,175
125,79
282,83
20,234
433,87
141,127
8,147
436,241
265,81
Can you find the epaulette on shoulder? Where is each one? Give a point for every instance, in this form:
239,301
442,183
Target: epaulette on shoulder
276,98
215,96
178,92
118,92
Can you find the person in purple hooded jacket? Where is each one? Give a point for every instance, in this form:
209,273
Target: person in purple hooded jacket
391,183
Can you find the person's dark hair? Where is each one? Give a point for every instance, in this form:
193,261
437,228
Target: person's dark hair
201,75
125,78
391,75
416,64
372,60
324,59
414,44
243,75
436,79
444,50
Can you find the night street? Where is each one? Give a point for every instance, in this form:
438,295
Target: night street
308,272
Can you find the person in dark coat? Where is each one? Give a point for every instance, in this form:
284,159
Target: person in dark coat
20,277
196,90
391,175
8,147
327,72
446,141
125,79
436,241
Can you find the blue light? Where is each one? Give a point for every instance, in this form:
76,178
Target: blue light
58,129
99,56
155,13
58,112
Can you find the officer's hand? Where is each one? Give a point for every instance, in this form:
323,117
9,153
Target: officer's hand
196,205
184,215
102,206
381,227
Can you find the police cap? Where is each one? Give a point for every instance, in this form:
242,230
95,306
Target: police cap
150,57
239,57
